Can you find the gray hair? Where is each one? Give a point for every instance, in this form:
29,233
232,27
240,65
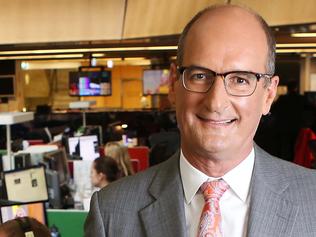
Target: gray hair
270,65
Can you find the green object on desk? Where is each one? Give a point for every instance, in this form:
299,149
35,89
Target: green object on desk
69,222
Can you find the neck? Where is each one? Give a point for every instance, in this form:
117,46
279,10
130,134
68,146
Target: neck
214,165
103,183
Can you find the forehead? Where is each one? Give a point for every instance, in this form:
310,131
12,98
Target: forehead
226,39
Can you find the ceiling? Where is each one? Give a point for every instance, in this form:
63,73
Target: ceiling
161,48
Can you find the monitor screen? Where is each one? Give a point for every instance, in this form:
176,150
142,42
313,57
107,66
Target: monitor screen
27,185
85,146
155,82
90,83
7,86
57,160
35,210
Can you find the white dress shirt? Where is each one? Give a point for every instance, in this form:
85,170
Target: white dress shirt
234,203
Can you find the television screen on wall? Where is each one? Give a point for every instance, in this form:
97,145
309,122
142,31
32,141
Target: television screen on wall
97,83
155,82
7,85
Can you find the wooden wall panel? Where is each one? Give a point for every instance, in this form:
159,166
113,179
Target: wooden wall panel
60,20
283,12
131,94
36,84
160,17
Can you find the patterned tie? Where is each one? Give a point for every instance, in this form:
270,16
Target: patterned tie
210,221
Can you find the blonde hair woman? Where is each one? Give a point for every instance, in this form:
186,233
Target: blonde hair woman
120,154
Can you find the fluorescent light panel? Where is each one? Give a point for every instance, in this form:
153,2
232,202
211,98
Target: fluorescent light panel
296,50
296,45
303,35
88,50
56,56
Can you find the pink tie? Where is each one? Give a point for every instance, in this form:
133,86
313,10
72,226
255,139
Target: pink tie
210,221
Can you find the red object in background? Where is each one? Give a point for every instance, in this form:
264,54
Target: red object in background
71,168
303,155
140,153
35,142
135,165
101,151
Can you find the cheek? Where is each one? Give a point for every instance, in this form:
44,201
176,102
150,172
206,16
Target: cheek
186,105
250,109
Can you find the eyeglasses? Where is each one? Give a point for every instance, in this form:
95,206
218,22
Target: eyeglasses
237,83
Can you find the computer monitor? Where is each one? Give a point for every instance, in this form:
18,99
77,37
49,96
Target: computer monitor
85,146
57,160
26,185
34,209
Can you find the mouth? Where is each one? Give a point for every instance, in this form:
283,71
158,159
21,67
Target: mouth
218,122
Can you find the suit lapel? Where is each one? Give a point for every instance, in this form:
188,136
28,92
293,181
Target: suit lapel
165,216
271,213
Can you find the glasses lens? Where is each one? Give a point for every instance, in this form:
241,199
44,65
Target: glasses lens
240,83
198,80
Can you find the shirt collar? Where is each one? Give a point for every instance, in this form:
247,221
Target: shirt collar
238,178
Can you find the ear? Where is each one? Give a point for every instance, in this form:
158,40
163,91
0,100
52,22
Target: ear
173,75
271,93
101,176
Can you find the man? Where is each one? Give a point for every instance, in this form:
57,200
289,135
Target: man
222,86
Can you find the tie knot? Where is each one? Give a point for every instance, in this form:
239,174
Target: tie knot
214,189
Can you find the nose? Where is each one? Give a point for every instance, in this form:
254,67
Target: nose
217,99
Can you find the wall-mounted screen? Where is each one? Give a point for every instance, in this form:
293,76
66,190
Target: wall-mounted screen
89,83
155,82
7,85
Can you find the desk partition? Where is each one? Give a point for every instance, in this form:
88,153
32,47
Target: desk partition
69,222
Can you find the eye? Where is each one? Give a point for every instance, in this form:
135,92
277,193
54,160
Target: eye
240,79
198,76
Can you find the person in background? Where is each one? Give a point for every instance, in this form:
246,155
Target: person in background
22,227
287,113
104,170
220,183
120,154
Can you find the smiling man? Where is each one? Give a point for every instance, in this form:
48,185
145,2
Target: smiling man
219,183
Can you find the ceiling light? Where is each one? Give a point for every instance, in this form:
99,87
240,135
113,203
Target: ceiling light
24,65
87,50
93,62
109,64
98,55
124,125
58,56
310,34
296,50
296,45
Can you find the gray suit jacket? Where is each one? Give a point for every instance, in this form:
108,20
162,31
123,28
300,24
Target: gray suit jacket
151,203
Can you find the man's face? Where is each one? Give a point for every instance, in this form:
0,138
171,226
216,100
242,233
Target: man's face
215,124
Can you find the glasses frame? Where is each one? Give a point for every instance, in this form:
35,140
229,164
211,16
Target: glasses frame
223,76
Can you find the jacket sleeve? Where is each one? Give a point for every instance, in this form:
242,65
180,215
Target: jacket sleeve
94,223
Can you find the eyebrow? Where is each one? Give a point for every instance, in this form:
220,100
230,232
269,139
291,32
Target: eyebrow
236,70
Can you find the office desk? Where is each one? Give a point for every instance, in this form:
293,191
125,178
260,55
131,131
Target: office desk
69,222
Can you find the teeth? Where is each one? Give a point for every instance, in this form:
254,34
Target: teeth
222,122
